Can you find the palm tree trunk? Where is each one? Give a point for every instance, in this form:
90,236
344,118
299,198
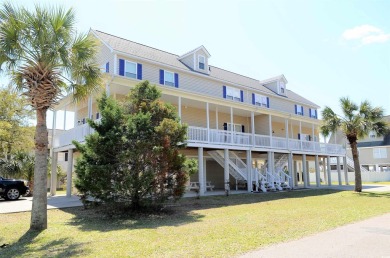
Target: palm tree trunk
358,175
39,204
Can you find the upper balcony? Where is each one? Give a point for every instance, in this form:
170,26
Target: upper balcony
214,138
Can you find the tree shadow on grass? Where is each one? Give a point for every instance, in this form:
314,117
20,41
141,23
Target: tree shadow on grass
175,214
27,246
375,194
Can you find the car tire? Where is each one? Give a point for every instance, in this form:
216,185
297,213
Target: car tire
12,194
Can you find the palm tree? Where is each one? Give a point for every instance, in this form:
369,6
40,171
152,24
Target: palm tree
45,58
356,123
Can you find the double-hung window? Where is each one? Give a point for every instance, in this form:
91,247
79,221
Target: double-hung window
169,78
313,113
201,62
131,69
260,100
299,110
233,94
282,88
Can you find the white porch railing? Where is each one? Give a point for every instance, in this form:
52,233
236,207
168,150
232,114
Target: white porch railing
220,137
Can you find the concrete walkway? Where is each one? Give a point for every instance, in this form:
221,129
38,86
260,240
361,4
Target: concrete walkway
368,238
25,203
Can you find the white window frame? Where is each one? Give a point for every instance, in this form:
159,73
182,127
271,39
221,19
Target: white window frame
372,135
305,137
282,88
233,94
130,62
379,153
260,100
299,110
228,127
312,113
165,78
204,62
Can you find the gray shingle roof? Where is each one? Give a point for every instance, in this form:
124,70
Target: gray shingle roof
153,54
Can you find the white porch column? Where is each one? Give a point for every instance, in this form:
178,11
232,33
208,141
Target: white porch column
249,170
338,170
75,115
205,174
324,167
231,124
201,172
90,107
304,170
216,118
291,170
328,169
312,132
286,129
179,107
269,162
253,127
345,167
226,171
318,178
65,117
270,129
300,134
69,174
208,121
53,178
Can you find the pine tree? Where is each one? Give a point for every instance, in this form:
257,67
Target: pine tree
133,157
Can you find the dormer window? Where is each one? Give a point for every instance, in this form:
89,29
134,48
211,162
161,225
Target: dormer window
201,62
282,87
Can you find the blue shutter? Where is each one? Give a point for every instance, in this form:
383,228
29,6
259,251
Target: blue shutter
122,67
296,109
309,138
225,126
316,114
299,136
176,80
242,95
224,91
243,129
253,99
310,112
161,76
302,110
97,115
267,102
139,71
107,67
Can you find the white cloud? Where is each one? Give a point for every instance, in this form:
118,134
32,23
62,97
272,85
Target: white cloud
366,34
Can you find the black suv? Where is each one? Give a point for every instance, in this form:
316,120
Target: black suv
12,189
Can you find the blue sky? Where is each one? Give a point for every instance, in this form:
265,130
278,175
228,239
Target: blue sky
326,49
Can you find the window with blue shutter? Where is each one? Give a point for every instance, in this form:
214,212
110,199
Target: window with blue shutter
253,99
139,71
242,96
225,126
302,110
122,67
299,110
296,109
243,128
224,91
161,76
316,114
176,80
107,67
299,136
267,102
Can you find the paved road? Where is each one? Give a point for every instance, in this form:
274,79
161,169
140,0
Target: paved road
25,203
369,238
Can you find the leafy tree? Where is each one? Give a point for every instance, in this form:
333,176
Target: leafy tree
16,134
45,57
356,122
133,157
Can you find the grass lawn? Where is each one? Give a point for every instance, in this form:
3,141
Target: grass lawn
212,226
